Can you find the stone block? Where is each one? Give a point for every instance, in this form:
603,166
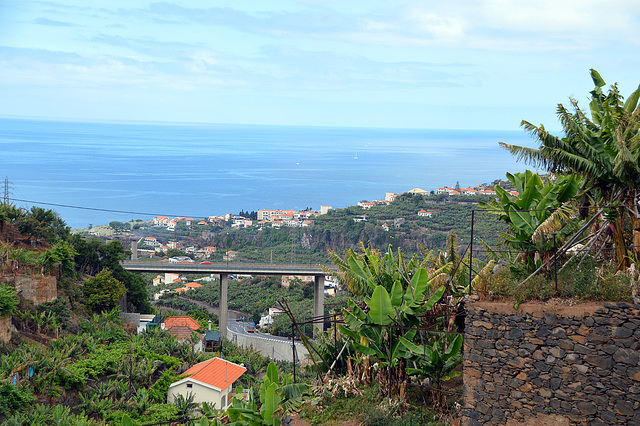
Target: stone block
603,362
578,338
586,408
621,332
36,289
598,339
626,356
634,374
5,328
624,407
482,324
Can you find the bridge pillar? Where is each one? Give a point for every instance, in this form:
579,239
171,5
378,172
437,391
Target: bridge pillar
224,281
318,301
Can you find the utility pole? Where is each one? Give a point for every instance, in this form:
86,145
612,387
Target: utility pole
5,198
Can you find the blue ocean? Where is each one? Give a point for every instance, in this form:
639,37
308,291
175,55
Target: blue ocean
95,173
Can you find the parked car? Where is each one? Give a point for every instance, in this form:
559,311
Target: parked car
206,262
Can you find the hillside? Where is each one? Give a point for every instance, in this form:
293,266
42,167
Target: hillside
398,224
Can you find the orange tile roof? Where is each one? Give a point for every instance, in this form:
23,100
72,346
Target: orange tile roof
216,372
181,321
181,333
181,289
193,285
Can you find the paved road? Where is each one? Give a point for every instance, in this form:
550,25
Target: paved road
240,327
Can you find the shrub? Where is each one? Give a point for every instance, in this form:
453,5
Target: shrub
616,287
13,399
8,299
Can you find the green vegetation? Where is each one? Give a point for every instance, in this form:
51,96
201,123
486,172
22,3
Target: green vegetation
8,299
591,205
103,291
574,232
107,373
396,224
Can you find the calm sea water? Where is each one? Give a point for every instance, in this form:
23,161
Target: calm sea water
202,170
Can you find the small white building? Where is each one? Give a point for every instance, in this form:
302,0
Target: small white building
324,209
210,381
267,320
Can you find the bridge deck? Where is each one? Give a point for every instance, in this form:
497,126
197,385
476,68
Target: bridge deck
228,268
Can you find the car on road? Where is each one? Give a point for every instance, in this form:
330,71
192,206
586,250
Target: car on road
206,262
251,327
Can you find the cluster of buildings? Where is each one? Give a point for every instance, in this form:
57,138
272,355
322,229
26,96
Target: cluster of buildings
286,218
478,190
295,218
273,218
151,245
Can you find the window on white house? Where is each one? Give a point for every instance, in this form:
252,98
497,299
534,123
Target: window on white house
189,385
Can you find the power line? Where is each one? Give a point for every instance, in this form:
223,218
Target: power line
100,210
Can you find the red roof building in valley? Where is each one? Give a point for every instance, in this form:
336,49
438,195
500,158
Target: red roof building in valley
182,333
182,321
193,285
209,381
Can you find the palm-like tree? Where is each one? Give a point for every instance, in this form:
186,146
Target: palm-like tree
603,149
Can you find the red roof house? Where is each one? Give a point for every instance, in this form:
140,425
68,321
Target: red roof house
209,381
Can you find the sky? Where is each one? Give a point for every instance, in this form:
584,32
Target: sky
455,64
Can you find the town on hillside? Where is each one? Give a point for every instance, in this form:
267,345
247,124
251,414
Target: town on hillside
150,246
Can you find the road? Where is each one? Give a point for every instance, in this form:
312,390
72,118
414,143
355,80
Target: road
275,347
240,327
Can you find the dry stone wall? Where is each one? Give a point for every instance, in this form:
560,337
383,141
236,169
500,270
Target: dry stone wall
580,365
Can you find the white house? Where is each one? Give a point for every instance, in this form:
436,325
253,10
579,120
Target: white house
268,319
170,278
210,381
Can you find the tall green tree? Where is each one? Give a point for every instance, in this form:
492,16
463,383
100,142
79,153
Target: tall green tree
103,291
604,150
94,255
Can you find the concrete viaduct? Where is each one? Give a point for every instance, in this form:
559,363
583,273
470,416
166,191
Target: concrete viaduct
226,269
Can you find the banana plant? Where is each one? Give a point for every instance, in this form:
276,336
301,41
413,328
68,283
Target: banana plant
539,210
387,316
363,272
435,363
